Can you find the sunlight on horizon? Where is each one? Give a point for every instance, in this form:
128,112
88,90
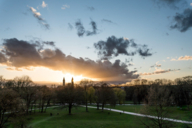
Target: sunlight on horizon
78,78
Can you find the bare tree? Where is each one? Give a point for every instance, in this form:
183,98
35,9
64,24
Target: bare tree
24,86
10,103
159,102
1,82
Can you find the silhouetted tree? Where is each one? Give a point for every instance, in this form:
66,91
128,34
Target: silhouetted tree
23,85
10,103
120,94
105,94
70,94
91,94
159,102
85,84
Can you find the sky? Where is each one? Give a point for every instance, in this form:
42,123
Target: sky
110,40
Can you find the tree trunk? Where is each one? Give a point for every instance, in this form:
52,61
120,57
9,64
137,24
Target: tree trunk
22,126
97,106
70,106
34,106
42,107
86,106
48,103
27,110
102,106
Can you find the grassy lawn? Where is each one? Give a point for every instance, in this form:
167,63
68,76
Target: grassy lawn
176,112
92,119
81,119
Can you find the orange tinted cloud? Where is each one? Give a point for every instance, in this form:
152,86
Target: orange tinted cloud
23,54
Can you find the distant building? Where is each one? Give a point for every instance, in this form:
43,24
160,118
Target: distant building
63,81
72,81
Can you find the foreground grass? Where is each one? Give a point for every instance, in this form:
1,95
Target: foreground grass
81,119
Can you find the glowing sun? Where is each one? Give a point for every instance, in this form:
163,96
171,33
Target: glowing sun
69,76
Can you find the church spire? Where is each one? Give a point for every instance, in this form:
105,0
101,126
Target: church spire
72,81
63,81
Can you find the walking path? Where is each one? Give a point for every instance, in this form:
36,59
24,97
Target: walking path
132,113
142,115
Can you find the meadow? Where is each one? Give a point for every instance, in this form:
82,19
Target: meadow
92,119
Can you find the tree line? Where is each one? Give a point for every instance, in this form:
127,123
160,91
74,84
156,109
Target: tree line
20,97
180,90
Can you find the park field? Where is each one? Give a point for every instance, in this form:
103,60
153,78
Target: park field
92,119
176,112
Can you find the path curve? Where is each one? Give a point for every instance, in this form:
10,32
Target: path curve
142,115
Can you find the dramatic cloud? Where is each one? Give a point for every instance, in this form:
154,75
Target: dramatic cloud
2,58
47,53
190,4
94,29
159,71
183,21
23,54
65,7
37,15
113,47
144,51
81,30
44,4
91,8
182,58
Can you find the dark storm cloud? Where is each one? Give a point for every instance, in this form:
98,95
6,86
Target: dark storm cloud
113,47
183,20
23,55
80,28
41,21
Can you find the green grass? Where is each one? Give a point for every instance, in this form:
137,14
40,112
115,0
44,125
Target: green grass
176,112
92,119
81,119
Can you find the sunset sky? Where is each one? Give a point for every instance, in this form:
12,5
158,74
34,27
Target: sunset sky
106,40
